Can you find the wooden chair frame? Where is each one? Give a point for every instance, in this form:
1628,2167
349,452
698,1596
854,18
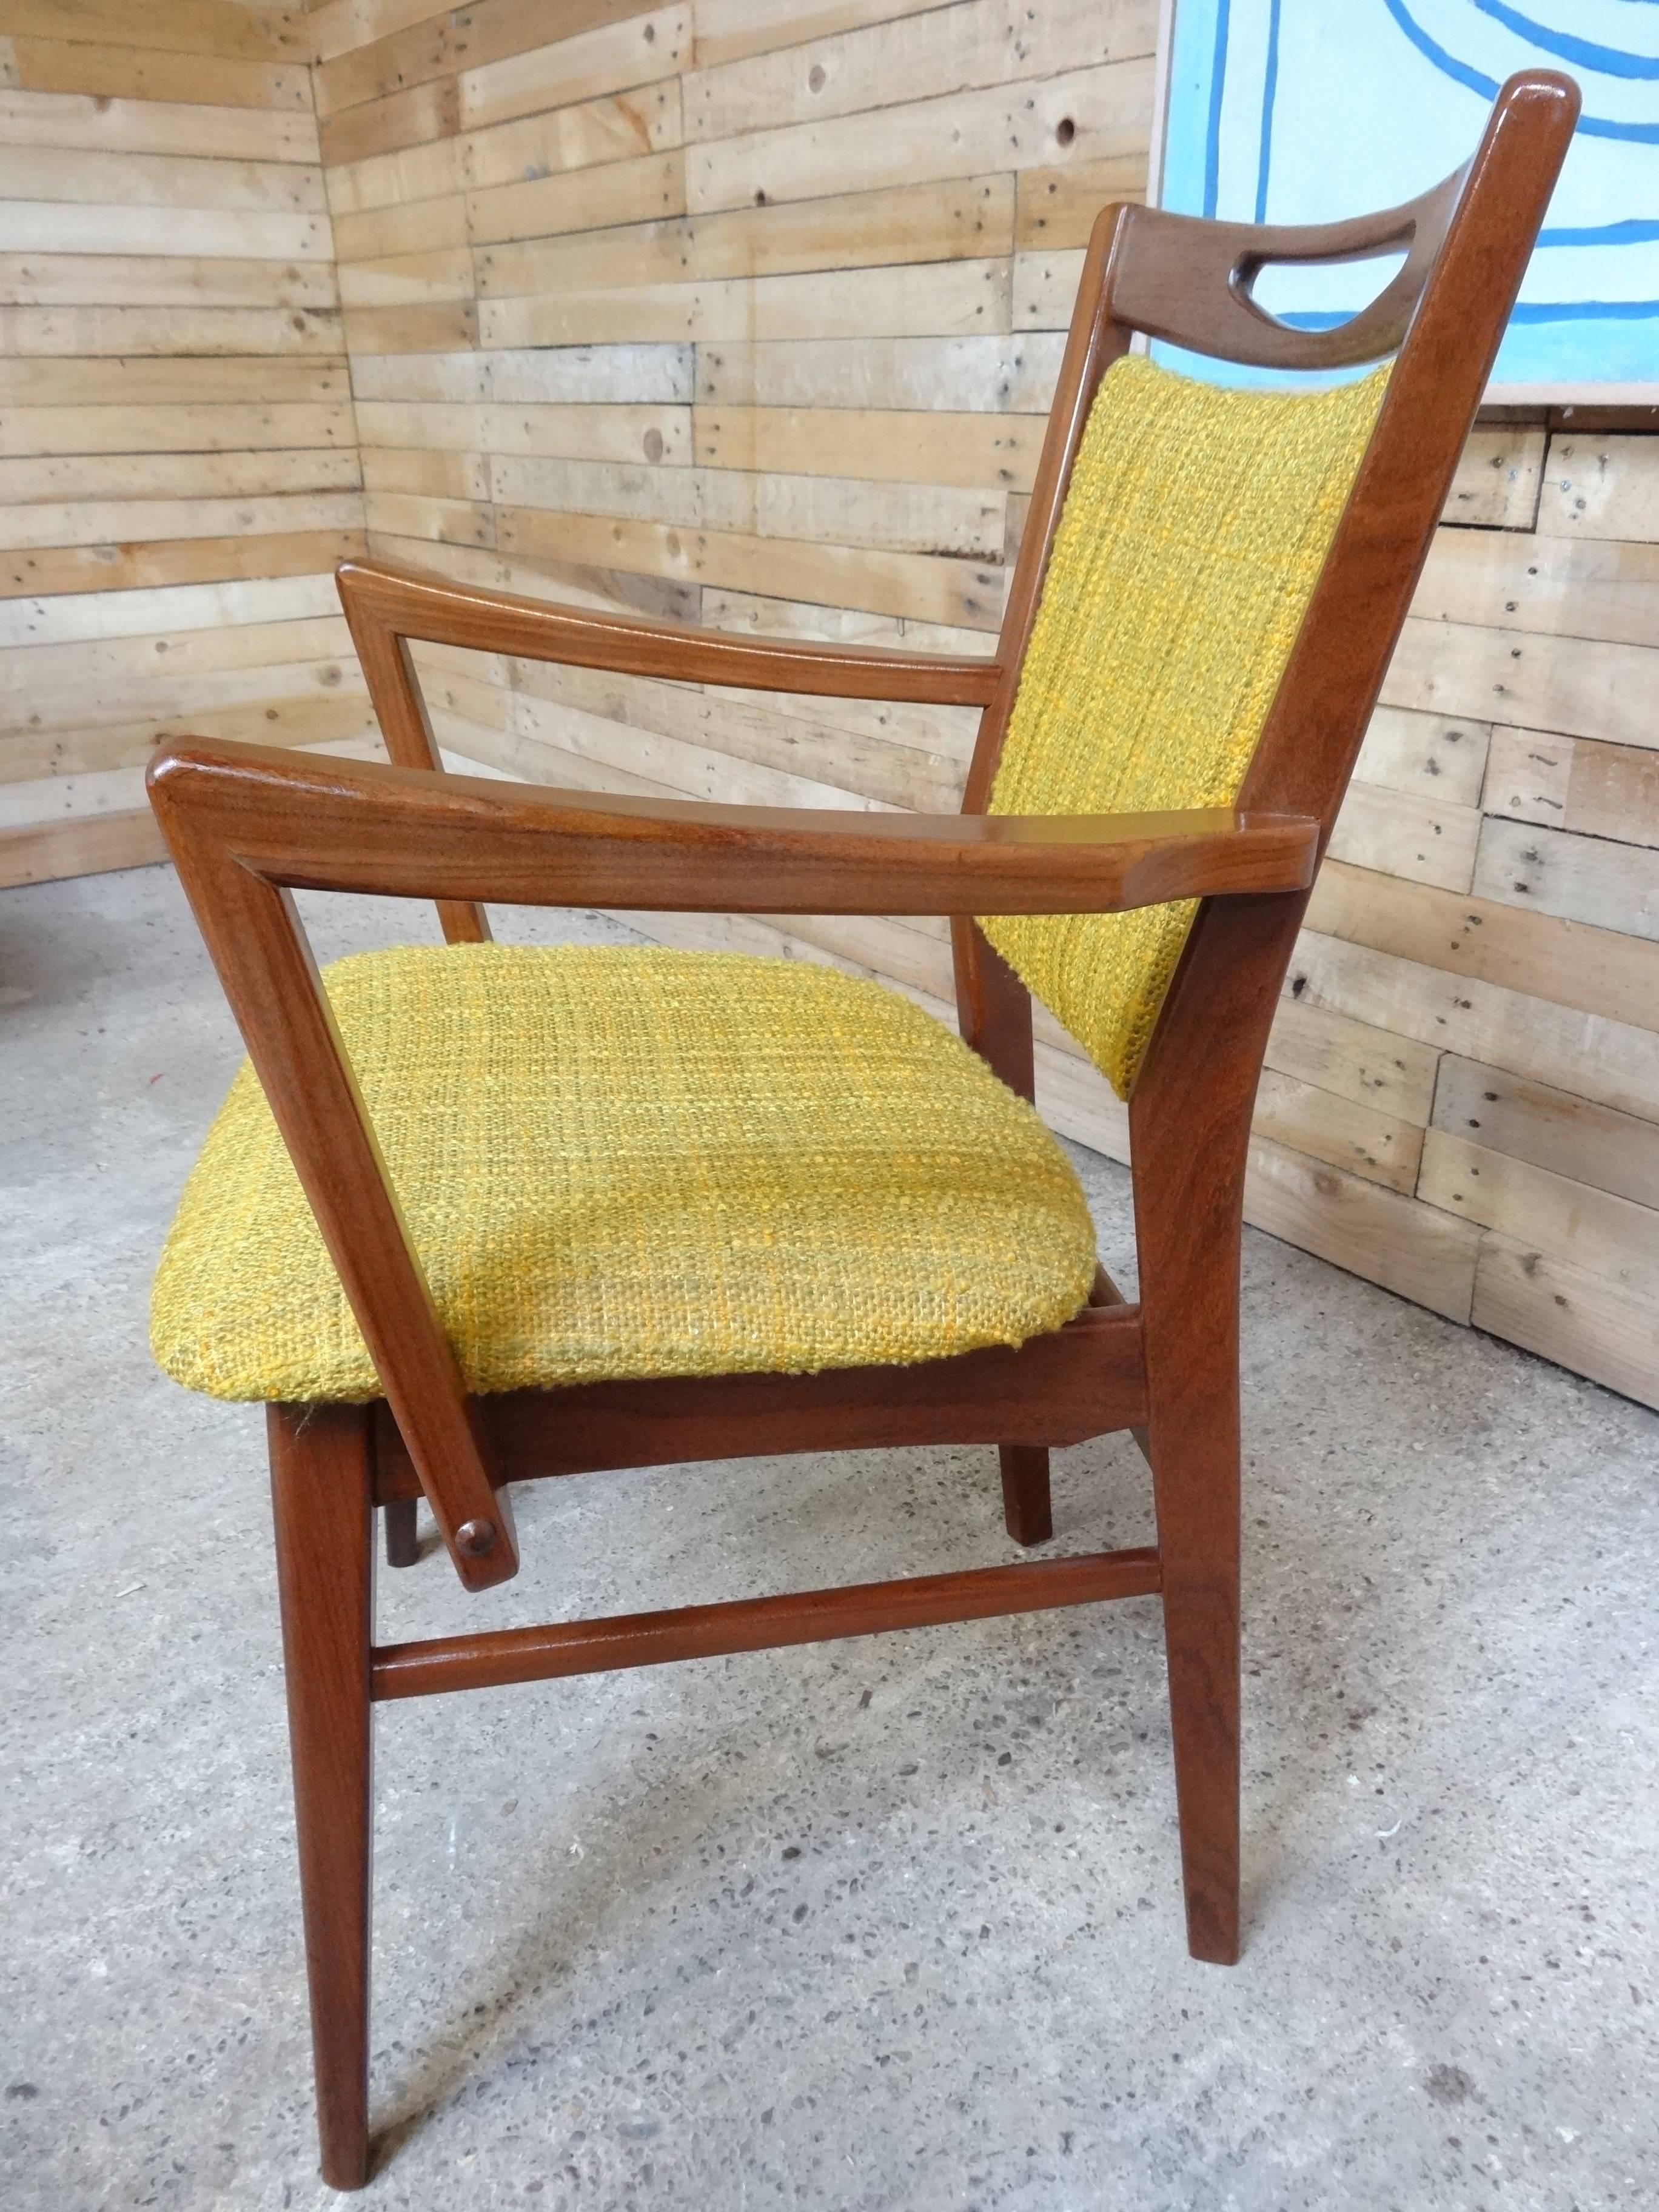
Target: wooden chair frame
247,825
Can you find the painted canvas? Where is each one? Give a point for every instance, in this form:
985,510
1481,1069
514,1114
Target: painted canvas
1302,111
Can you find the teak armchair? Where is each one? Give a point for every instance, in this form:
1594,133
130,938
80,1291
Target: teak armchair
247,826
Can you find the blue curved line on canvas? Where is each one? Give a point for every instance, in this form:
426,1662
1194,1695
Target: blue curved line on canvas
1528,311
1212,126
1636,230
1269,93
1584,311
1584,53
1593,126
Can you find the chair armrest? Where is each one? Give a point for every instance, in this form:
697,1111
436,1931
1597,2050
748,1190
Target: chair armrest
407,603
309,821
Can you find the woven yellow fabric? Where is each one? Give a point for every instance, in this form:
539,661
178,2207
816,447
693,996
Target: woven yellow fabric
618,1162
1195,529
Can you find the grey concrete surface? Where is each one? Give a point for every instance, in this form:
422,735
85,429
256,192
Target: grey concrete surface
888,1923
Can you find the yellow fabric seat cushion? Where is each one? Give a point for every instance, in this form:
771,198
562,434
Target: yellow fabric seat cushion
1195,526
619,1163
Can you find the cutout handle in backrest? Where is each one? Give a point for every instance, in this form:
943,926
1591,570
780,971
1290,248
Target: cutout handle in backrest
1191,282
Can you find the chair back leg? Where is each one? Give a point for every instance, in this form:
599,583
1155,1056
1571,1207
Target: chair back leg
1026,1506
403,1541
320,1469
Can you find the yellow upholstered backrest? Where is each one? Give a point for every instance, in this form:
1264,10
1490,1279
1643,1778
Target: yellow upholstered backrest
1194,532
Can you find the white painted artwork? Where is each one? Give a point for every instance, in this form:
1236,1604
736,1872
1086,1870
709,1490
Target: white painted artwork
1304,111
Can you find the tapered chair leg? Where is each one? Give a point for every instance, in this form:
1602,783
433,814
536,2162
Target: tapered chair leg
319,1469
1192,1445
403,1542
1026,1505
1195,1485
1190,1123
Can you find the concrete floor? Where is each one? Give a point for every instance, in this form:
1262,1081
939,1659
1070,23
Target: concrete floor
888,1923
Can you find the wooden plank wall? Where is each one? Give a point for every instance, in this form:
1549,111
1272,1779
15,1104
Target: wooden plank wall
748,312
178,459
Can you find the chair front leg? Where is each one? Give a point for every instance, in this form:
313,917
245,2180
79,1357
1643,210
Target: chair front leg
320,1467
1193,1448
1189,1259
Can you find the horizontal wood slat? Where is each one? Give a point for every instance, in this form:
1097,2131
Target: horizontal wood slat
179,460
495,1657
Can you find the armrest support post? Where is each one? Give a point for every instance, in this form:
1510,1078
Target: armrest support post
993,1007
394,691
259,948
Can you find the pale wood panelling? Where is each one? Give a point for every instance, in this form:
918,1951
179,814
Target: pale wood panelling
104,71
179,465
1083,115
1574,783
198,128
1568,1313
977,44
